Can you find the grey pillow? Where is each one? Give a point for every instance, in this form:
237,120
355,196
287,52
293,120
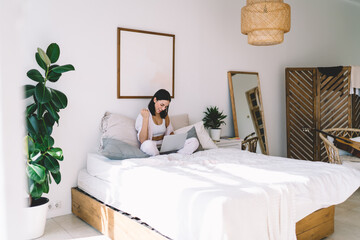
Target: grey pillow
192,133
118,150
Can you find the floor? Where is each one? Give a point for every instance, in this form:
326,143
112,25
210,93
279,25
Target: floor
70,227
347,224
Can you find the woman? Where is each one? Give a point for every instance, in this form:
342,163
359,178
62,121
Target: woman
153,123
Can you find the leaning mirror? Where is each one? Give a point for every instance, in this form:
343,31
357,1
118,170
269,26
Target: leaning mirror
247,109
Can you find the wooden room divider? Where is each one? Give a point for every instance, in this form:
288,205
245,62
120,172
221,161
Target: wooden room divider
317,98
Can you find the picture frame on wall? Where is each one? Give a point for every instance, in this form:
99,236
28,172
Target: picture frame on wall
145,63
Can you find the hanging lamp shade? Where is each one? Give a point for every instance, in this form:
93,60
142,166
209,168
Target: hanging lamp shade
265,21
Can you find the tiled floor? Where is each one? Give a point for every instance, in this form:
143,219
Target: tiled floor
69,227
347,219
347,224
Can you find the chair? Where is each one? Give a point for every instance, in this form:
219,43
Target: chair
250,144
333,152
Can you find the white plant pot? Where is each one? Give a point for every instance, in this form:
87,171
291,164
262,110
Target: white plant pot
35,220
215,134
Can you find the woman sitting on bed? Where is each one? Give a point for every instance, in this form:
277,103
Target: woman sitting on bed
151,128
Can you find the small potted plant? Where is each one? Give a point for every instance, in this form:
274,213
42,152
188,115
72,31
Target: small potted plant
42,163
213,120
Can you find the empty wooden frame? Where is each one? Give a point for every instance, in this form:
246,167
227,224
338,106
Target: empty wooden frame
146,63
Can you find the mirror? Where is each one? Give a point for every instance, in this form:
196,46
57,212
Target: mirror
247,109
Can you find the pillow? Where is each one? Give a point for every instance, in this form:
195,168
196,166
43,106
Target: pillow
343,152
118,150
192,134
179,121
203,136
119,127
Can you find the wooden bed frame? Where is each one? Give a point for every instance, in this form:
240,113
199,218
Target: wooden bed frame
121,226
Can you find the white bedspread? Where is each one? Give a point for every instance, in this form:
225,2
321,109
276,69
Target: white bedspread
223,193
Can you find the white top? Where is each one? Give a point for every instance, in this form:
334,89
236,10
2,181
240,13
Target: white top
138,127
158,130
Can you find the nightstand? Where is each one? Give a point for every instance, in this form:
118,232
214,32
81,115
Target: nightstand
229,143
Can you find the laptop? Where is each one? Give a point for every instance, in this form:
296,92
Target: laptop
172,143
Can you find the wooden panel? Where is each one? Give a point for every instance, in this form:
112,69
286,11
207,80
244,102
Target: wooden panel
356,111
317,100
108,221
317,225
334,105
300,85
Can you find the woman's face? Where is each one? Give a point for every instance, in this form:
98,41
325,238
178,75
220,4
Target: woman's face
161,105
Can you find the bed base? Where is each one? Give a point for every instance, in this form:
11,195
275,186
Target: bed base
121,226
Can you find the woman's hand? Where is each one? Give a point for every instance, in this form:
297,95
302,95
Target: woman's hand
145,113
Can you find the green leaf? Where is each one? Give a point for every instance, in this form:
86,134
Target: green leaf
36,172
35,190
53,51
40,62
56,177
40,109
59,99
29,90
53,76
35,155
45,186
51,164
39,144
32,125
57,153
31,109
54,115
64,68
30,144
49,120
44,57
42,127
42,93
35,75
48,141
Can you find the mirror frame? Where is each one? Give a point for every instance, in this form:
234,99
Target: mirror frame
264,150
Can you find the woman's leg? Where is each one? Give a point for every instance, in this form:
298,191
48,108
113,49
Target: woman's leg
149,147
191,144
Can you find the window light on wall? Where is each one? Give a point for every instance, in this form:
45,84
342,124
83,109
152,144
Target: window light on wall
265,21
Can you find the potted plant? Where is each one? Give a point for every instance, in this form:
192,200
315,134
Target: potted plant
42,164
214,119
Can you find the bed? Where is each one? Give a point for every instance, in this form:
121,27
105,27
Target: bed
219,193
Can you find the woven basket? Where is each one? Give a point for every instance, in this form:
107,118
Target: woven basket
265,22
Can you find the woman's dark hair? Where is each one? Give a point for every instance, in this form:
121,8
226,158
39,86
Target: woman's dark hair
161,94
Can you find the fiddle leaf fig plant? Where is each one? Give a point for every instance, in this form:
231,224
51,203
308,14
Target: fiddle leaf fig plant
41,114
213,118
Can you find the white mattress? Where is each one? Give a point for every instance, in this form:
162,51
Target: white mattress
178,194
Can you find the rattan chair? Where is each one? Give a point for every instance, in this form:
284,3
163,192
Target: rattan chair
250,144
332,151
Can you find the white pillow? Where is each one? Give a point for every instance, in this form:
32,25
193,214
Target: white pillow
204,138
117,126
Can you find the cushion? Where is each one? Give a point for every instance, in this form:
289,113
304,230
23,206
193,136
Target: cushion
179,121
343,152
203,136
118,150
119,127
192,134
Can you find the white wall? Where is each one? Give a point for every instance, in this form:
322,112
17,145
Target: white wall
12,160
208,44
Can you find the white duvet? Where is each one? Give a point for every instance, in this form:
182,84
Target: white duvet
220,193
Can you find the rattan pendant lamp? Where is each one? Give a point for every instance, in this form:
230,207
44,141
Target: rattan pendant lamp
265,21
